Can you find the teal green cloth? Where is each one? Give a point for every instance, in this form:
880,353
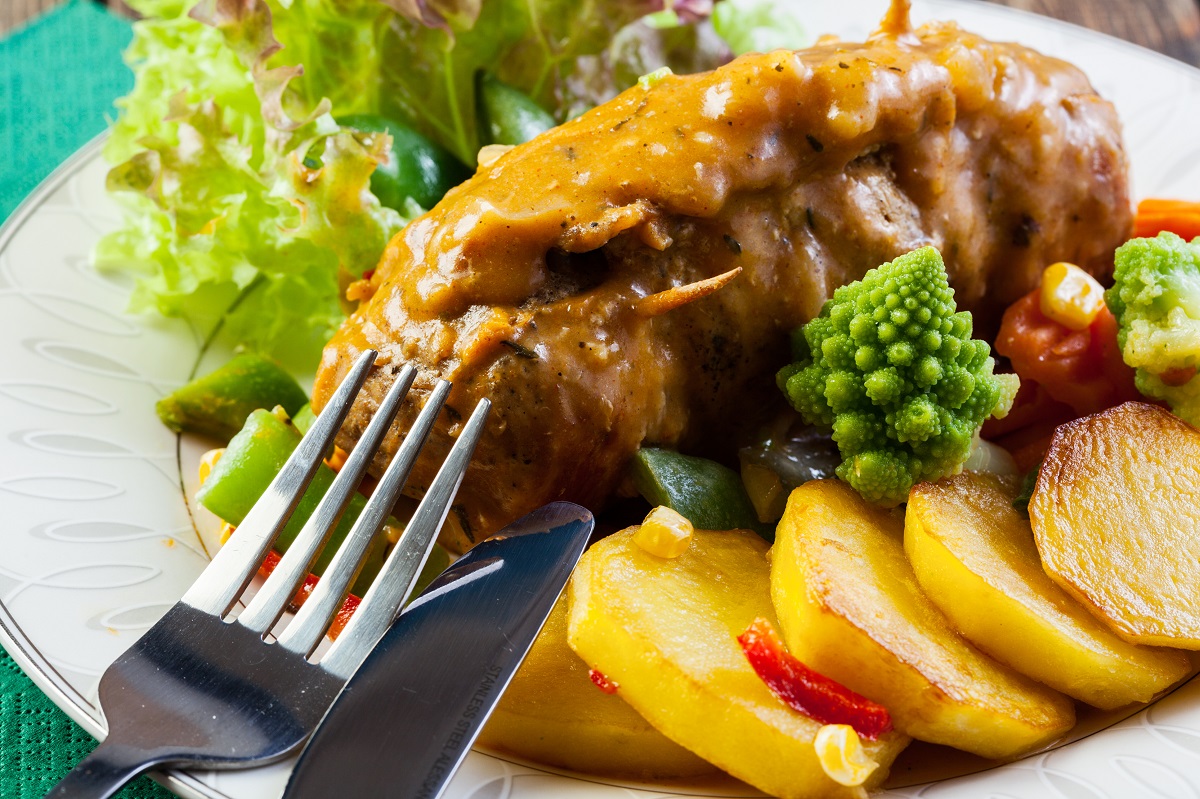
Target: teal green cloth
58,78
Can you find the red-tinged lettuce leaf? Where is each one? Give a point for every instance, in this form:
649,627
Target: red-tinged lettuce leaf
694,37
534,45
692,10
639,49
246,26
306,57
561,31
445,14
429,73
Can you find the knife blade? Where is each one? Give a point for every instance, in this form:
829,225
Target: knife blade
405,720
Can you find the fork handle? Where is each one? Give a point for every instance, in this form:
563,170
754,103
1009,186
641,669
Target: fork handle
102,773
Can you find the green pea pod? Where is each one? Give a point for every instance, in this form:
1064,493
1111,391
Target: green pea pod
709,495
507,115
251,461
418,167
217,404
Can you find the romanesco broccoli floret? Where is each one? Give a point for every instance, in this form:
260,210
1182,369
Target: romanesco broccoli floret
1156,300
892,368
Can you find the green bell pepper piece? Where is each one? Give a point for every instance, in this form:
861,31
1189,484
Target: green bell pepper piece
304,418
217,404
709,495
418,167
507,115
250,463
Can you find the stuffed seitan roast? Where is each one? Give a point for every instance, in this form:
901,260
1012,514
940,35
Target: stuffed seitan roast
631,276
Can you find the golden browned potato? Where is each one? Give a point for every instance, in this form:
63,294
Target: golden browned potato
665,631
553,713
1116,517
850,607
974,556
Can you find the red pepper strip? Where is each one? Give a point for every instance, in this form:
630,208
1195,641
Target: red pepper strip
339,619
602,682
803,689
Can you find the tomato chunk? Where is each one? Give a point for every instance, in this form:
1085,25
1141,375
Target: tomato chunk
1079,368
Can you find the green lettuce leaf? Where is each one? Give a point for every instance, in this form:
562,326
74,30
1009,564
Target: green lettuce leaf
638,49
248,208
757,26
553,50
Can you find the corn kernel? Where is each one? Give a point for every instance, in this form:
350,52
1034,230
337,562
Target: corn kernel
664,533
208,462
490,154
1070,296
393,532
841,754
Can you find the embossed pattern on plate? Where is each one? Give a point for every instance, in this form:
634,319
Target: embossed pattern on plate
99,540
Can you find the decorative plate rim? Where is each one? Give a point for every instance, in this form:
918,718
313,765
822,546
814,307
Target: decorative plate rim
12,638
47,678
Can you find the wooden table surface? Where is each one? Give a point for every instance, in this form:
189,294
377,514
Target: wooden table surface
1169,26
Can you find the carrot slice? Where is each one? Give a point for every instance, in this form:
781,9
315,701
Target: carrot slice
1177,216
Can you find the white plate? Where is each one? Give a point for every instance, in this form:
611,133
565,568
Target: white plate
98,539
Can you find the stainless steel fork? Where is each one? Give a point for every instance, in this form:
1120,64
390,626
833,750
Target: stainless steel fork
197,690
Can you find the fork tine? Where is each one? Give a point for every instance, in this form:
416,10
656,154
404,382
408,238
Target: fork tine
268,604
399,573
224,579
307,629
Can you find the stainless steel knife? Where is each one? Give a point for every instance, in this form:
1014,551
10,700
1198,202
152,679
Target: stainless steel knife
407,717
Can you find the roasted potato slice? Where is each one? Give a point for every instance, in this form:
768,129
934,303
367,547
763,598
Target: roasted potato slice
665,631
1116,518
850,607
974,556
553,713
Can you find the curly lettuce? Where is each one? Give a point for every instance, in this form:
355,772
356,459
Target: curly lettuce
248,207
246,203
545,48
